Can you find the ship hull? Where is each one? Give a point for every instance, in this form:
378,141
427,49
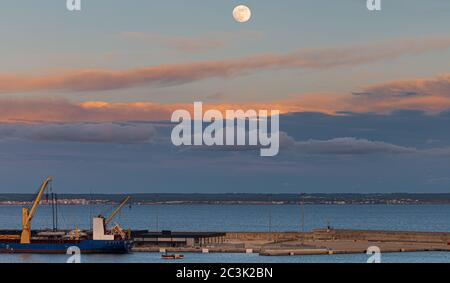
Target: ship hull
85,246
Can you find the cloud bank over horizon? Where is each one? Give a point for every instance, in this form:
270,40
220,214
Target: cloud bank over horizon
357,152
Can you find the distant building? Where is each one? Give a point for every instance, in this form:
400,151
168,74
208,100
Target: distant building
176,239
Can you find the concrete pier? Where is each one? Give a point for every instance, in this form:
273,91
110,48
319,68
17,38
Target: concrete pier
318,242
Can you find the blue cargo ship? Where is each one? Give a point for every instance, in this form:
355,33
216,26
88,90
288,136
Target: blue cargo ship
99,241
61,247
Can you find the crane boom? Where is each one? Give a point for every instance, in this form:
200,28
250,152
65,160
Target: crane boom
27,215
122,204
38,198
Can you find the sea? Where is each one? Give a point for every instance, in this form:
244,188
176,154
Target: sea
222,218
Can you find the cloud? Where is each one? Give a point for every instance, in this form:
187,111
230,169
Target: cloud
61,110
429,94
439,86
81,133
48,109
342,146
335,146
177,74
302,133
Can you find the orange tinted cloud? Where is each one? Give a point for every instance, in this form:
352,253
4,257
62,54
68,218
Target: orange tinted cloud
57,110
431,95
176,74
429,86
63,110
37,110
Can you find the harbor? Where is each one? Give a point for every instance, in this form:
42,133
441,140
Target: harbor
317,242
106,235
280,244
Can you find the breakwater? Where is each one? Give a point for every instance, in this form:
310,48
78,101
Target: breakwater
316,242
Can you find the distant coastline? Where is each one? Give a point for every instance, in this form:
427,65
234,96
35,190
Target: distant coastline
236,199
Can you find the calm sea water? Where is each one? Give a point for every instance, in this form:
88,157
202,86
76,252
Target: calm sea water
426,257
244,217
241,218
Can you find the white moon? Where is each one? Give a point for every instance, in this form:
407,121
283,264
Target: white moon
242,13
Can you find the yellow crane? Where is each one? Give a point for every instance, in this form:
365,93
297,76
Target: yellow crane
27,215
116,230
117,210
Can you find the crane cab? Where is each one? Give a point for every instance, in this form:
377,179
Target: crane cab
98,230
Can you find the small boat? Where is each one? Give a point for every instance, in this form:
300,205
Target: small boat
172,256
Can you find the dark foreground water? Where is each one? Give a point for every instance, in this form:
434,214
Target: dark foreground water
242,218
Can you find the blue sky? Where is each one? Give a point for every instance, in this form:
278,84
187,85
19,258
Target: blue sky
80,93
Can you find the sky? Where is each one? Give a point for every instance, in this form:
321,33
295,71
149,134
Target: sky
86,96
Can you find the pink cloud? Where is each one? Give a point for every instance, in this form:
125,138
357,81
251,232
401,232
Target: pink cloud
177,74
428,94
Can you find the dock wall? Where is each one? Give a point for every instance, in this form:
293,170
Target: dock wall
343,234
268,236
381,236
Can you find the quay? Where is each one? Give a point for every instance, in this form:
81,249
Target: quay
316,242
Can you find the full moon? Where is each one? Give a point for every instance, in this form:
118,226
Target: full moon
242,13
